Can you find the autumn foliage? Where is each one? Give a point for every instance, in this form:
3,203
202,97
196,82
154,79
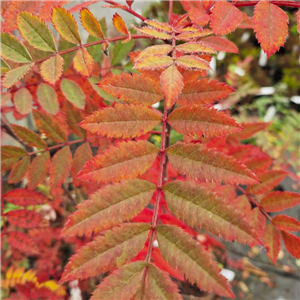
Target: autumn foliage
100,138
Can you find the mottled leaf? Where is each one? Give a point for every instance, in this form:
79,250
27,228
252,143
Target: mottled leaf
286,223
126,121
199,162
198,208
90,23
271,240
25,218
114,248
225,17
28,136
66,25
113,205
195,119
24,197
52,68
49,126
12,49
38,170
19,170
203,91
171,83
73,92
138,89
83,63
116,163
35,32
268,180
270,24
180,250
278,201
60,167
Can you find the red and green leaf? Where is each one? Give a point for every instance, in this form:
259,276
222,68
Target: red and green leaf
19,170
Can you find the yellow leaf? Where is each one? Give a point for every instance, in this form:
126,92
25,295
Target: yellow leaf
83,63
90,23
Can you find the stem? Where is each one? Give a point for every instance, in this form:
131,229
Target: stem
276,2
170,11
128,9
120,38
162,167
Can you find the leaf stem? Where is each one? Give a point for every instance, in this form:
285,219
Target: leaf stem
170,11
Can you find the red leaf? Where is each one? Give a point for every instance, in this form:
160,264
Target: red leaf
220,44
250,129
172,83
22,242
270,24
202,92
60,167
225,18
26,219
278,201
286,223
292,243
258,165
194,119
24,197
271,240
199,16
269,180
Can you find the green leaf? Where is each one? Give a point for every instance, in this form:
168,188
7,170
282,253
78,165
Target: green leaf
23,101
19,170
73,93
180,250
29,137
114,248
113,205
35,32
12,76
120,52
198,208
13,50
47,97
199,162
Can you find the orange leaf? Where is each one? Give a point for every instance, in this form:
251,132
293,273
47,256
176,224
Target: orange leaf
52,68
292,243
225,18
270,24
286,223
159,25
192,62
153,33
153,62
60,167
278,201
90,23
116,163
120,24
271,240
250,129
220,44
199,16
172,83
83,63
38,170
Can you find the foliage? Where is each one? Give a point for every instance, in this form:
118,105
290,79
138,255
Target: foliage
145,204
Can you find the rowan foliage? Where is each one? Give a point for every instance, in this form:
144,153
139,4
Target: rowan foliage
105,135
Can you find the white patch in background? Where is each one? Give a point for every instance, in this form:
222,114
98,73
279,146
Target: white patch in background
239,71
267,90
228,274
156,105
155,243
75,292
270,114
213,65
262,59
245,37
295,99
221,55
